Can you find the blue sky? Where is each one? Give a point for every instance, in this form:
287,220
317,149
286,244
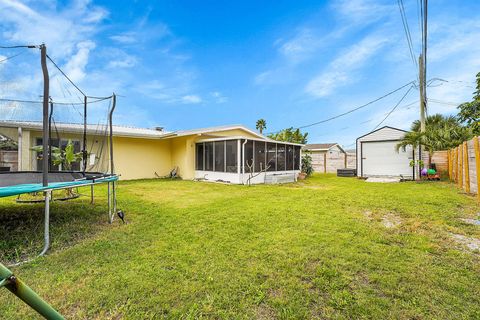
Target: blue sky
190,64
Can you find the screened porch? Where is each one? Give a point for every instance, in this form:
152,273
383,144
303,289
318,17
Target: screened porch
260,161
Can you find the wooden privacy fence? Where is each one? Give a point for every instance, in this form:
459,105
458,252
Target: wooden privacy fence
464,165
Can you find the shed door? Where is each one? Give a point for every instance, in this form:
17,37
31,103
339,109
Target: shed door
380,158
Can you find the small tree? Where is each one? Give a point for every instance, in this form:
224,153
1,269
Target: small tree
65,158
307,167
441,133
290,135
261,125
470,111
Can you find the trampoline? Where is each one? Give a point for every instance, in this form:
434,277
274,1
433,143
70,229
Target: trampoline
63,164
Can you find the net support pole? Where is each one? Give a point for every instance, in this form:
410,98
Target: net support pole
46,84
84,149
26,294
110,123
112,165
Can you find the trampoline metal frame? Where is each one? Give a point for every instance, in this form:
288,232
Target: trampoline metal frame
111,203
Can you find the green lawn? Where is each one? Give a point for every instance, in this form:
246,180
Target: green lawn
325,248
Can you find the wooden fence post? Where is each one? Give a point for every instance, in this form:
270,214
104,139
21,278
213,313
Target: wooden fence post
460,166
456,164
477,164
467,168
449,162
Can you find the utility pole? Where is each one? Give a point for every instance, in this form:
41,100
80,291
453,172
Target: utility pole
421,73
46,136
423,68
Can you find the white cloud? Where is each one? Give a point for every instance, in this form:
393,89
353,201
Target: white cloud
75,67
191,99
218,97
61,31
300,46
118,58
340,71
125,38
363,11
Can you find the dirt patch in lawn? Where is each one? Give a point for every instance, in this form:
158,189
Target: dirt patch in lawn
391,220
265,312
475,222
470,243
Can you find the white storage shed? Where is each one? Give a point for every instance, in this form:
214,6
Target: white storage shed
378,157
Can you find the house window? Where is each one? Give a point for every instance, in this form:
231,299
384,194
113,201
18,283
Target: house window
289,157
248,156
272,156
281,157
199,156
231,156
296,158
219,156
208,156
259,156
61,144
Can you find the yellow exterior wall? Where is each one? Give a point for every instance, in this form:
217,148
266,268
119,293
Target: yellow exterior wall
135,158
141,158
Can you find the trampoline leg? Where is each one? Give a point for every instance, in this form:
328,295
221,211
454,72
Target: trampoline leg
114,201
48,195
109,203
91,194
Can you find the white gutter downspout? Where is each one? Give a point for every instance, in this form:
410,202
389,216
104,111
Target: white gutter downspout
19,150
243,159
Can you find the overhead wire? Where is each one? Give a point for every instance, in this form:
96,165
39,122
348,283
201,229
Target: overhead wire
393,109
408,35
354,109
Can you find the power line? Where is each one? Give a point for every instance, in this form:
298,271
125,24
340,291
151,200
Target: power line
395,107
406,106
355,109
407,32
20,46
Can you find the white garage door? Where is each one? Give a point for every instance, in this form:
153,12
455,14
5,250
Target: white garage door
381,159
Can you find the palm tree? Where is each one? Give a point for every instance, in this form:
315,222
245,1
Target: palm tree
261,124
441,133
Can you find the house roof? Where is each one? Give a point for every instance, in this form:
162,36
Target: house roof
126,131
322,146
93,129
206,131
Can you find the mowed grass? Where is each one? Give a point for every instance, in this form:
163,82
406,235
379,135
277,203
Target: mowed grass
314,249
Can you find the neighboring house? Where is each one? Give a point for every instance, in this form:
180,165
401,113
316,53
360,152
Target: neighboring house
8,154
378,157
220,153
328,157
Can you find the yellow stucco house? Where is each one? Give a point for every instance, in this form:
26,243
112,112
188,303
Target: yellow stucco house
233,154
